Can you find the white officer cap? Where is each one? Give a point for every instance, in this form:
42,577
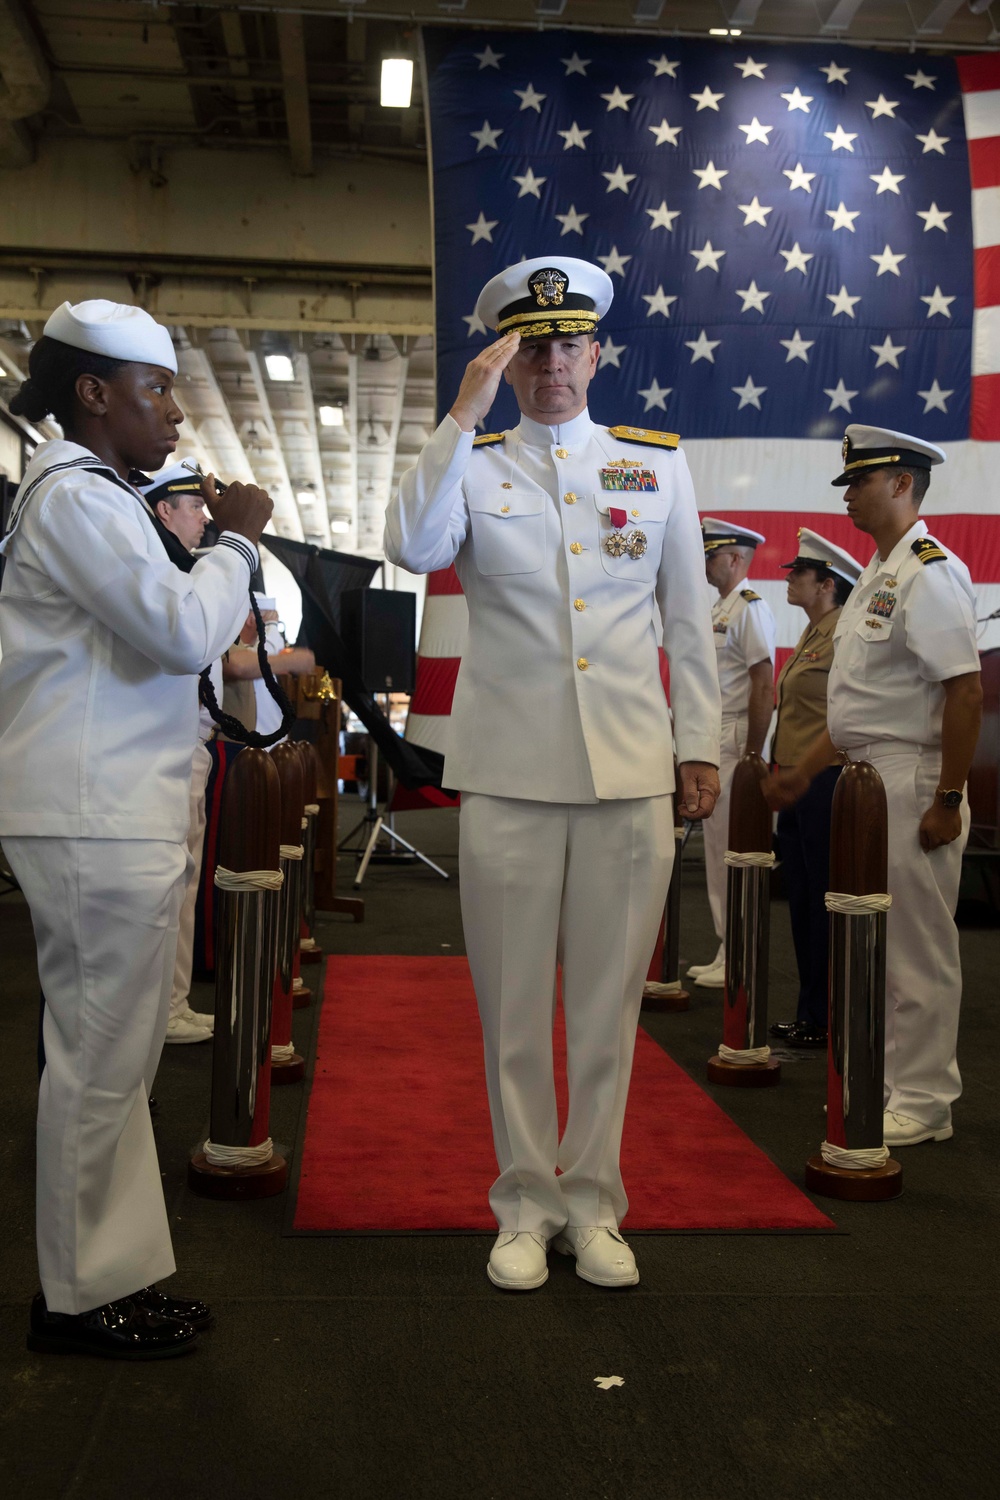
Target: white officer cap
816,552
546,297
867,448
179,479
716,534
114,330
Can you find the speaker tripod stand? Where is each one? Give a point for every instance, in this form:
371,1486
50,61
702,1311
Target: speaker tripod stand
363,839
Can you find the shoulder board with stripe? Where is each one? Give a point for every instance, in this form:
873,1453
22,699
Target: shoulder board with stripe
487,439
645,435
927,550
748,595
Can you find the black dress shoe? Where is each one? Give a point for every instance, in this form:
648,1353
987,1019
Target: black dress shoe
178,1309
118,1330
807,1037
783,1029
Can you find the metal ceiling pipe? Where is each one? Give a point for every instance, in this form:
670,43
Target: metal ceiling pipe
24,85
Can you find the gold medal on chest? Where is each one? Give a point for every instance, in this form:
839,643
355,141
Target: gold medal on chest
615,544
636,544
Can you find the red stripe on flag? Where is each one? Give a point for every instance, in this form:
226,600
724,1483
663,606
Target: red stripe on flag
979,72
435,688
988,275
973,538
444,581
984,161
984,423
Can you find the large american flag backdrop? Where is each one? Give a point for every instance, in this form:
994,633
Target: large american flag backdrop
799,237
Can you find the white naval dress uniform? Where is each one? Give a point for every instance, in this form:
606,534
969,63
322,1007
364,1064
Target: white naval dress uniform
745,633
102,637
907,627
560,743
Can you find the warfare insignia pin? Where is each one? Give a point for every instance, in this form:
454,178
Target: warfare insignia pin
636,543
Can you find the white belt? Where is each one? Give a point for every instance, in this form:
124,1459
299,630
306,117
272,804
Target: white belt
883,749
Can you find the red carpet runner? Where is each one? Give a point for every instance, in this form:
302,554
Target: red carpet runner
398,1132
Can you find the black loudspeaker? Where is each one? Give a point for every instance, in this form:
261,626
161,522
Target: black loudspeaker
379,627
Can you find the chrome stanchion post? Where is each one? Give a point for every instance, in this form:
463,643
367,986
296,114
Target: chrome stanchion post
667,993
287,1066
238,1160
853,1162
309,950
744,1058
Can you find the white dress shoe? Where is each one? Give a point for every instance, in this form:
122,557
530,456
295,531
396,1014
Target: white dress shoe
181,1030
901,1130
518,1261
198,1018
713,978
693,970
602,1256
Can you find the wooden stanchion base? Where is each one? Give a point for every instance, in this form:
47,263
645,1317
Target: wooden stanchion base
301,996
292,1071
237,1182
656,997
870,1185
310,955
744,1076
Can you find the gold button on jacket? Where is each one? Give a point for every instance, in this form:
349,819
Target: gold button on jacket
570,497
582,663
562,453
576,548
579,604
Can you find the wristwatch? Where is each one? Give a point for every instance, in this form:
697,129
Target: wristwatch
949,797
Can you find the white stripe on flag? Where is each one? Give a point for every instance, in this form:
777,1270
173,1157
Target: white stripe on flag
986,341
982,114
985,217
445,625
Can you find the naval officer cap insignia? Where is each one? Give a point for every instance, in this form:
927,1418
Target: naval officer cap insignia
717,534
867,448
114,330
816,552
546,298
179,479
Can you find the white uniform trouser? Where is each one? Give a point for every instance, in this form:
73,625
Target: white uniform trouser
105,915
180,993
582,885
923,990
715,829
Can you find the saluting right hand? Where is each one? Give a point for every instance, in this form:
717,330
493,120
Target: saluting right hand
242,508
481,381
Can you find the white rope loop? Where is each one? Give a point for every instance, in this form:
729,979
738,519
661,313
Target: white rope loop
312,809
753,860
308,945
744,1056
248,880
282,1052
239,1156
860,1159
857,906
291,851
655,990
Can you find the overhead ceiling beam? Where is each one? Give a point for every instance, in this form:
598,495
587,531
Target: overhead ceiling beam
239,67
283,496
294,78
227,459
937,19
353,423
745,13
303,374
841,16
357,52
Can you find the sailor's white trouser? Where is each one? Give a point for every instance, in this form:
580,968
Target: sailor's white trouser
923,992
180,991
715,830
582,885
105,919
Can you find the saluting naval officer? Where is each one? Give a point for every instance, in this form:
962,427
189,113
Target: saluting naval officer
904,694
820,579
573,542
744,634
102,638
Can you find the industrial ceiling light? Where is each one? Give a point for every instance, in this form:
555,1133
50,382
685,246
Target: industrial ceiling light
724,31
279,367
331,416
340,526
305,497
397,82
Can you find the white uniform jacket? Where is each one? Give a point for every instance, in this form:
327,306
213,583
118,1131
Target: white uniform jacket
559,697
744,633
907,627
102,636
